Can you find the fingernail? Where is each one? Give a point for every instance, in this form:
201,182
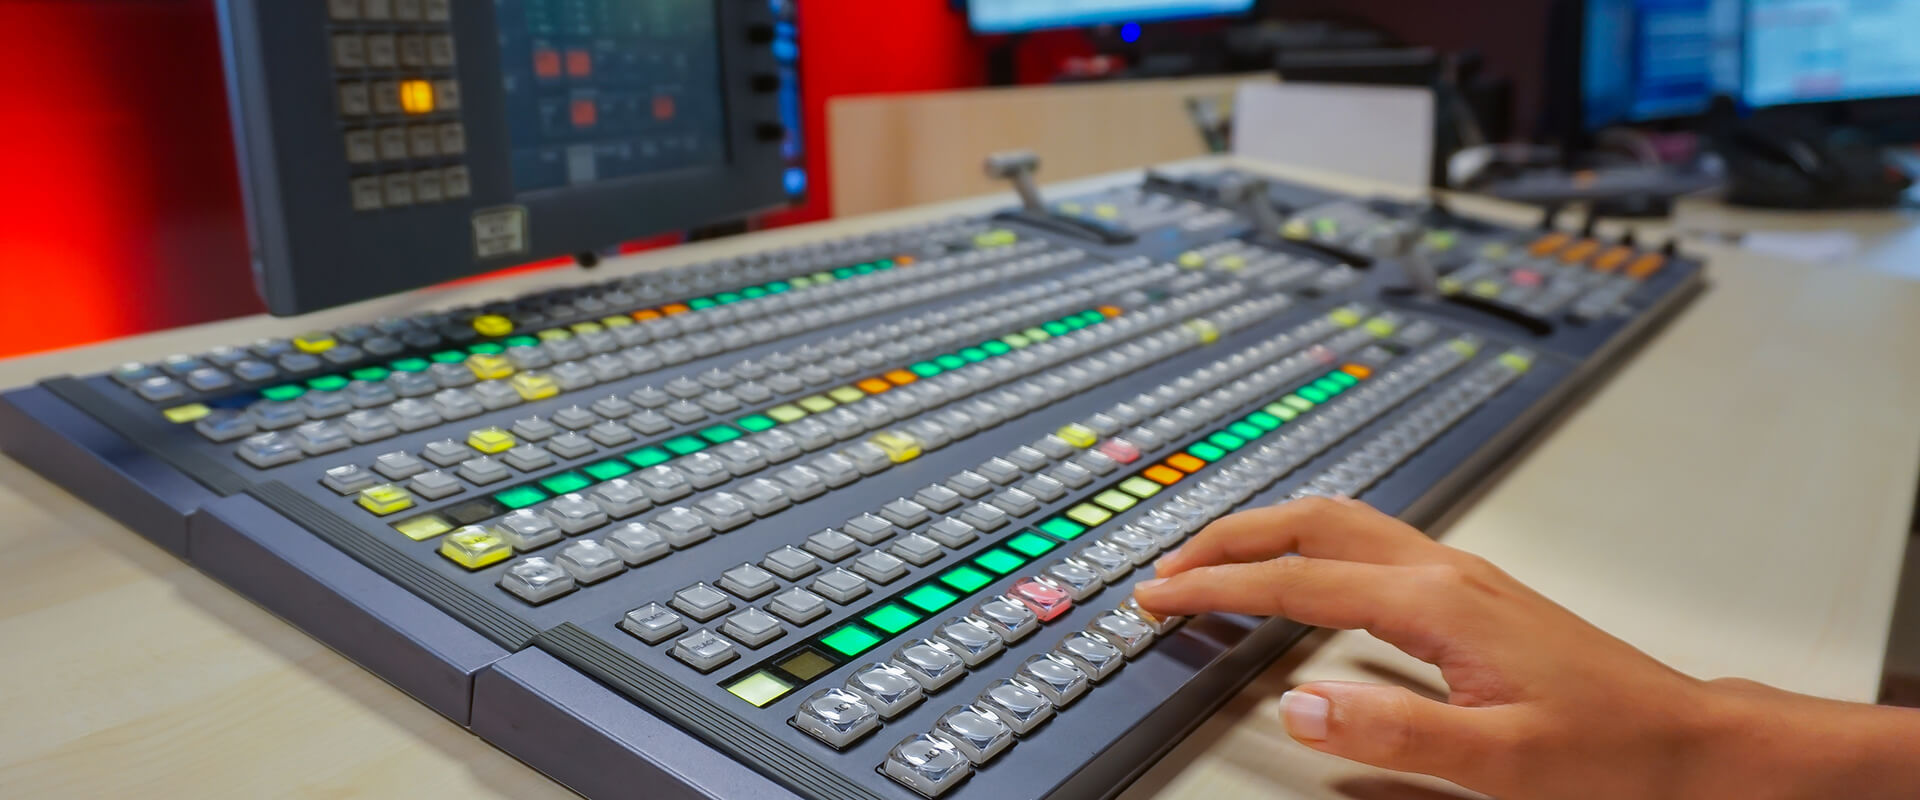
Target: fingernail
1149,584
1167,557
1305,715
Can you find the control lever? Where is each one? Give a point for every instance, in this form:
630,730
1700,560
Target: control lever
1019,167
1252,194
1404,241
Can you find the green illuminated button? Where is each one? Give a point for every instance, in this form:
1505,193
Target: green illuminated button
843,273
725,298
891,618
1092,316
930,598
410,365
885,263
520,497
649,456
777,287
720,434
950,361
760,688
520,341
699,303
1342,378
1073,323
1312,393
607,470
967,579
973,354
925,369
1227,441
1063,528
1115,500
1246,430
370,374
756,422
566,482
850,641
683,445
328,383
449,356
486,348
996,347
999,562
1264,420
1031,544
287,392
1205,452
1297,402
1089,514
1328,386
864,269
1139,487
1055,328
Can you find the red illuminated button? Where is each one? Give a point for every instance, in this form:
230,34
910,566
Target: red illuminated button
1525,277
1046,600
1120,450
585,113
663,107
546,63
579,63
1321,354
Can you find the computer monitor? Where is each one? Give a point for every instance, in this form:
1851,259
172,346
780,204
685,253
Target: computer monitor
1824,51
1018,16
392,144
1652,60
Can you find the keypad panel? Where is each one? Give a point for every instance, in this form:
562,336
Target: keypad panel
397,101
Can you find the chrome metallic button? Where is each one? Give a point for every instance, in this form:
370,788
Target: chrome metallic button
589,561
652,623
527,529
704,651
1020,707
927,764
970,639
1011,619
836,716
889,689
976,732
1094,655
1054,678
931,663
536,580
1124,631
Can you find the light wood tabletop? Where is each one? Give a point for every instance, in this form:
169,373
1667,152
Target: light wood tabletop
1734,501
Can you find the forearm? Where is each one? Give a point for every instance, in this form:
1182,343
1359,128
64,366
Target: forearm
1767,743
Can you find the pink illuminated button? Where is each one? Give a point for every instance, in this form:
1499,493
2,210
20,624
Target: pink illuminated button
1320,353
1046,600
1525,277
1120,450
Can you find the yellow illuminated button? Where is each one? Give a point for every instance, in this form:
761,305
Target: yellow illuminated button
1232,263
586,327
314,342
1106,211
423,527
491,440
534,386
190,412
1381,328
785,413
1516,361
474,547
1192,260
816,404
1078,435
1089,515
1115,500
1463,347
492,325
1450,285
1344,317
554,334
385,499
1205,330
488,367
416,97
1486,288
901,447
616,322
846,394
1071,208
1296,229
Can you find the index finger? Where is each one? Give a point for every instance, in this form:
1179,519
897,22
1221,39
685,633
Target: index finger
1317,527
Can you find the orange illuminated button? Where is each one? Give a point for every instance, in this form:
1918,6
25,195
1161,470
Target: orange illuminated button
1163,475
1357,371
1548,245
546,64
585,113
903,261
579,63
1185,463
1109,311
1612,259
646,314
1580,252
1645,266
901,377
416,97
671,309
874,385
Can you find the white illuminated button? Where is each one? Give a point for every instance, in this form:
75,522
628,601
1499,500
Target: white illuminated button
536,580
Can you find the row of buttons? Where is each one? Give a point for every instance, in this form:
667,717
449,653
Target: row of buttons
390,51
369,146
395,10
402,189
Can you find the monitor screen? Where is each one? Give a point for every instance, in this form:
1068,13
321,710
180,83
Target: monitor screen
1013,16
1648,60
1815,51
600,90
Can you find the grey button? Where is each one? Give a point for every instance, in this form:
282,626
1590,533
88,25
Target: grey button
1124,631
321,437
903,512
536,580
412,415
207,379
649,422
776,445
1044,488
763,497
748,581
684,412
1097,462
970,639
831,545
663,483
684,388
526,458
719,402
1094,655
368,426
740,457
812,434
398,465
889,689
797,606
159,389
1112,563
527,357
1021,708
610,434
1078,580
790,563
701,602
969,484
574,513
836,716
869,528
483,470
880,566
1054,678
652,623
951,532
1009,618
752,627
619,497
927,764
1016,502
703,470
613,407
867,457
410,384
433,485
446,452
589,561
224,425
1139,547
976,732
349,478
574,418
801,482
938,498
254,371
682,526
637,543
840,586
1027,458
837,470
456,404
930,663
704,651
917,549
784,383
649,397
983,516
273,415
999,470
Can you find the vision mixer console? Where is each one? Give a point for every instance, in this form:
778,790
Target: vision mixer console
849,521
856,519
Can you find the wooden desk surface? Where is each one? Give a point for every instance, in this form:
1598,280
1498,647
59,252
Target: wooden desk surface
1734,502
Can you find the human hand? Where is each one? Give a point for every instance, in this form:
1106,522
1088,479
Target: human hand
1542,704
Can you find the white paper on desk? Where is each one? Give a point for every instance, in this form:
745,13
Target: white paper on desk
1378,132
1803,246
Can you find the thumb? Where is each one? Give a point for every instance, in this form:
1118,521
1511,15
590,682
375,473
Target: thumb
1391,727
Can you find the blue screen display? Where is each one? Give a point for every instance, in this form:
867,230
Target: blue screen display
1816,51
1013,16
1648,60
